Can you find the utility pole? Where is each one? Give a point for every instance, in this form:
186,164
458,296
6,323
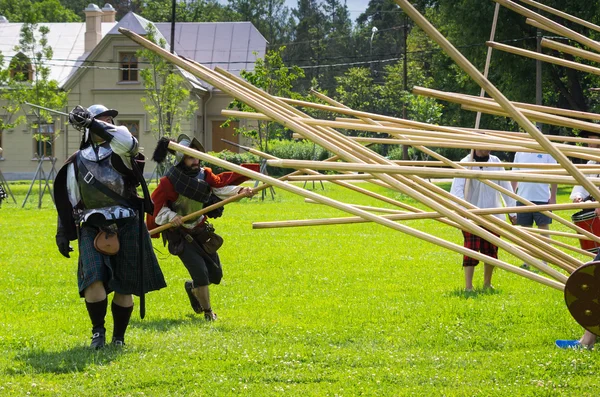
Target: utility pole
538,76
405,78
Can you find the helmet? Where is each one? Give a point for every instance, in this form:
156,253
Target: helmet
101,110
186,141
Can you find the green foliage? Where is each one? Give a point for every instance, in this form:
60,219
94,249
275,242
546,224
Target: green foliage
235,158
34,53
187,11
273,76
37,11
166,98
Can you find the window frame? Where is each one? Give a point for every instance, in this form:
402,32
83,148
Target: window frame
129,68
128,122
45,145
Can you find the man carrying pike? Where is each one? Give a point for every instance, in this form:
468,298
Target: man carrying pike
187,188
97,204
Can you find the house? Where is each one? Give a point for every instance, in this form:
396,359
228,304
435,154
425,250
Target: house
97,64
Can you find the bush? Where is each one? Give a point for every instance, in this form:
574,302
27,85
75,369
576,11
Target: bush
235,158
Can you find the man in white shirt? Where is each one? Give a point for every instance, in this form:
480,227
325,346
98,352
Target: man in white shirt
537,193
482,196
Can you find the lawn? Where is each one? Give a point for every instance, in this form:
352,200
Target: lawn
321,311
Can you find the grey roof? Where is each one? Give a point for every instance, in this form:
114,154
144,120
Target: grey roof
133,22
229,45
66,39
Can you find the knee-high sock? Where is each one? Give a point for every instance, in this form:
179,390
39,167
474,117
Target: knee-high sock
97,312
121,316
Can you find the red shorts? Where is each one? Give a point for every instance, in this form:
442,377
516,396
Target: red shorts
478,244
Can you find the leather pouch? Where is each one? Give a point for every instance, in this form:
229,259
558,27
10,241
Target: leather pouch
107,243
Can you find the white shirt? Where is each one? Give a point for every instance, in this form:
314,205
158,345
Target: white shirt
480,194
533,191
578,190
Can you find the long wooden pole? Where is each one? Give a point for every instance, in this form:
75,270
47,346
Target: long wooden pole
497,95
533,114
317,136
381,220
558,28
562,14
400,215
543,57
427,172
569,49
450,163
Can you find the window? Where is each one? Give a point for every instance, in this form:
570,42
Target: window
20,68
129,66
43,138
133,126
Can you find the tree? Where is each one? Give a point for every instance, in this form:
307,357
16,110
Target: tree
273,76
33,56
166,99
187,11
307,47
37,11
270,17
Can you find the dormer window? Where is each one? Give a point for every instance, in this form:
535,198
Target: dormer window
129,64
20,68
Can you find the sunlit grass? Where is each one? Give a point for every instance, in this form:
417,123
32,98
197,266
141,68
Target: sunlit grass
333,310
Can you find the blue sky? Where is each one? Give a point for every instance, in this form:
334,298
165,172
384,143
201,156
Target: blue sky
356,7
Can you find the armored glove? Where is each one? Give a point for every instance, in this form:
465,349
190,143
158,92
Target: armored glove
62,242
80,118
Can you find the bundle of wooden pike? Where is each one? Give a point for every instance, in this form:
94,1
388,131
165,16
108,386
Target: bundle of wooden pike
410,178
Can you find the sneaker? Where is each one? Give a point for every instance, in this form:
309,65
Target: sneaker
98,339
117,342
568,344
209,315
196,306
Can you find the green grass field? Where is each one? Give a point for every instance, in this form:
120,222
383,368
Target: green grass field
321,311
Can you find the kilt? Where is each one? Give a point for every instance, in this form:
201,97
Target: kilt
120,272
478,244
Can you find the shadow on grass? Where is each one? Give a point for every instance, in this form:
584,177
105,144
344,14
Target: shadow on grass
461,293
165,324
76,359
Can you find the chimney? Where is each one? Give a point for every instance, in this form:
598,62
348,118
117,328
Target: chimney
108,13
93,27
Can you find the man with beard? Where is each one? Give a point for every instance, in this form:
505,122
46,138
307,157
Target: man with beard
97,204
482,196
186,188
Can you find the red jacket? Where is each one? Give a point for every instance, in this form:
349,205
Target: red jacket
165,192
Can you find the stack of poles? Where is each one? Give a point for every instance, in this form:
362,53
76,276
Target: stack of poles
352,151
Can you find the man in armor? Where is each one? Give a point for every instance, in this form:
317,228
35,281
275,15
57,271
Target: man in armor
97,204
186,188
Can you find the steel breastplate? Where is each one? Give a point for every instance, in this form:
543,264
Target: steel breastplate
99,168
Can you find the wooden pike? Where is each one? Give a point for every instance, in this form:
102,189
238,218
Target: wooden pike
533,114
556,27
561,14
543,57
316,135
428,172
497,95
451,198
381,220
569,49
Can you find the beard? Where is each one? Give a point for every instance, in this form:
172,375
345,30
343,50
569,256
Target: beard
190,171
